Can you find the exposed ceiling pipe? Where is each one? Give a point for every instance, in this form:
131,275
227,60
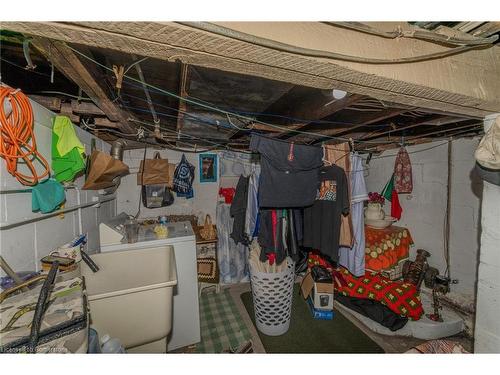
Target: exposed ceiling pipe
269,43
414,34
156,120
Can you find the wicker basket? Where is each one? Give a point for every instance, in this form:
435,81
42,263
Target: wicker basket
208,230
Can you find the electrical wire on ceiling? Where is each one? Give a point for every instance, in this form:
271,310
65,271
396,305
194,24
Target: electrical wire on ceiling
238,112
215,109
283,47
414,34
237,115
222,146
143,140
62,93
23,67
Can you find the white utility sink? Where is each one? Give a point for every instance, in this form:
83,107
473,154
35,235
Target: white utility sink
130,297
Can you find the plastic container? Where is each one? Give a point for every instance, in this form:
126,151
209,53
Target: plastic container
111,345
131,295
94,346
272,299
131,230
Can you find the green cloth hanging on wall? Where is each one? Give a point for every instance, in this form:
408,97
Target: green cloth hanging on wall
68,164
65,131
47,196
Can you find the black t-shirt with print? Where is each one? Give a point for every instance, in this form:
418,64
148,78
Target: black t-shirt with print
322,220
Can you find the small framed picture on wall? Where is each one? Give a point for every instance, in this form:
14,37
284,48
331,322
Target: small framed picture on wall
208,167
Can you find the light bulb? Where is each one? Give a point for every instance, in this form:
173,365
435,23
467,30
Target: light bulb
339,94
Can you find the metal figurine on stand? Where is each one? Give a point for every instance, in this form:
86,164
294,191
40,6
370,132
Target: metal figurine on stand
414,272
440,285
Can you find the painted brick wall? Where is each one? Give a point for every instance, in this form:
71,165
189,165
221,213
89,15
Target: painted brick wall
424,210
23,246
487,334
205,194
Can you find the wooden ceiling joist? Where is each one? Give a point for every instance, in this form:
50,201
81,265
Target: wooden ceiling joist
312,110
183,86
416,84
66,61
372,119
440,121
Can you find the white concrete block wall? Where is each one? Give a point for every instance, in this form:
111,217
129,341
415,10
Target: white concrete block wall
487,333
424,210
23,246
205,194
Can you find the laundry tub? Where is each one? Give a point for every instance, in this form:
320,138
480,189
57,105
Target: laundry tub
130,297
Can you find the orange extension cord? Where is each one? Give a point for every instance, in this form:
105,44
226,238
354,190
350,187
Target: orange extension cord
18,140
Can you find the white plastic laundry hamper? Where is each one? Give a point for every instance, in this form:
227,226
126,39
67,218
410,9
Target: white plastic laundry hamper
272,299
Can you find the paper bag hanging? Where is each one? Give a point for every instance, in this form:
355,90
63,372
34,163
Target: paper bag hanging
103,170
153,171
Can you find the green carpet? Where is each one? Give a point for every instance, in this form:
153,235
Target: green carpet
221,325
308,335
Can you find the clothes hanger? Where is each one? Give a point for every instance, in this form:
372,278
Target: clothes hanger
323,159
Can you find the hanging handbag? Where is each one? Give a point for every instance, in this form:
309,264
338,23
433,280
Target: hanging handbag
156,196
183,177
153,171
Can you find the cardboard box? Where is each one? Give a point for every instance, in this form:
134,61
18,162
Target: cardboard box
319,314
321,293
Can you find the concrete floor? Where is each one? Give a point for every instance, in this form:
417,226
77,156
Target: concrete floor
391,344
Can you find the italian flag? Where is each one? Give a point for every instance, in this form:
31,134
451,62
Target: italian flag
391,194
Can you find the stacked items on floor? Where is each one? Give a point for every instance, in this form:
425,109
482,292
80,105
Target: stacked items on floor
387,302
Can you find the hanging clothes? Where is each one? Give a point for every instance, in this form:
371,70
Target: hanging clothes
277,235
403,180
232,257
289,174
354,258
340,155
322,220
238,211
252,204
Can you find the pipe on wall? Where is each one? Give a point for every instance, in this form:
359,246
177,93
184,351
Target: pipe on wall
4,226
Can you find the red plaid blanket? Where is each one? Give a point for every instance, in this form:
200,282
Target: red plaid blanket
400,297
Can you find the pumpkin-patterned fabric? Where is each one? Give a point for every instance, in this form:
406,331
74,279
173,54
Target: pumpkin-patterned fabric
403,181
385,248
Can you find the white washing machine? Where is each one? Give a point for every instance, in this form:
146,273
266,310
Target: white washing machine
186,313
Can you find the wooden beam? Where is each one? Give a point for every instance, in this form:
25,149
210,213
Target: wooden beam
183,87
487,29
66,61
67,111
275,107
376,117
414,84
440,121
443,131
86,108
51,102
425,135
104,122
316,110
